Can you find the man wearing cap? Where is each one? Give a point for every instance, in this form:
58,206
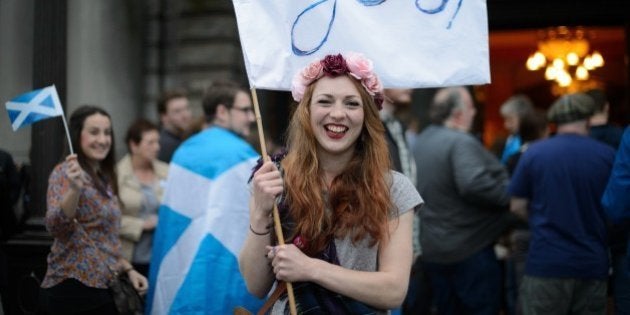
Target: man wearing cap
558,184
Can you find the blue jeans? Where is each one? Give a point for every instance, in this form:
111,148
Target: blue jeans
471,286
418,299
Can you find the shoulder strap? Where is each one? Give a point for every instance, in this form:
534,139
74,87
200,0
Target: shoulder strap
281,288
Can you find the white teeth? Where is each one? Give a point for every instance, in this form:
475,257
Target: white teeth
337,129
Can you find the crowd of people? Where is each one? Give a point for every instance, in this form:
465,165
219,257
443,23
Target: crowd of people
372,222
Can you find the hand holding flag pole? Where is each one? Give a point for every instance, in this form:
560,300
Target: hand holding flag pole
33,106
276,214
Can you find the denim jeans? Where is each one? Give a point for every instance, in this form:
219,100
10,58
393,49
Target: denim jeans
471,286
418,299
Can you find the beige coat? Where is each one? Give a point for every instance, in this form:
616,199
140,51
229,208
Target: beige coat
131,197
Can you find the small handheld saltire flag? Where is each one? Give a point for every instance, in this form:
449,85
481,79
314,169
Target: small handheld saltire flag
203,222
34,106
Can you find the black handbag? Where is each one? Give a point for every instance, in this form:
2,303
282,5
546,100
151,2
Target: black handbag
313,299
126,298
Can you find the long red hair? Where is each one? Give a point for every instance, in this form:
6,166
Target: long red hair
358,199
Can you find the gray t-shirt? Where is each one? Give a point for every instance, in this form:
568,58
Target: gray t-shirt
361,256
150,205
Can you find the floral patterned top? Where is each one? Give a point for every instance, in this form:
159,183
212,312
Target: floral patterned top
97,222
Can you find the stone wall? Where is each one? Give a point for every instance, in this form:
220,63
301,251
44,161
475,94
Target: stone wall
189,44
16,67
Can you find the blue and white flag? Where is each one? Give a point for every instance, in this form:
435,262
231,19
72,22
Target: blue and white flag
202,226
34,106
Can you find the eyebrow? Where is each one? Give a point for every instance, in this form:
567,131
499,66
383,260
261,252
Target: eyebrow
97,128
345,97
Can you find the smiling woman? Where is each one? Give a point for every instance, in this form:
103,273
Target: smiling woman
84,217
343,209
336,115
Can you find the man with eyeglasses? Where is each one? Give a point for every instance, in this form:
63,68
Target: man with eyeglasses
228,106
205,215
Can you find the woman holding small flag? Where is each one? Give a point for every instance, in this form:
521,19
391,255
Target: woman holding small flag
347,216
84,218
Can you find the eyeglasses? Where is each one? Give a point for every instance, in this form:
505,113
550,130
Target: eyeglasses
246,110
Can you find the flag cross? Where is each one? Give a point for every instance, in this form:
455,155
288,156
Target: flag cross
35,109
34,106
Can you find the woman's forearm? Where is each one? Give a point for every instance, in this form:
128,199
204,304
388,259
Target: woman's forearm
254,264
385,288
70,202
252,260
380,289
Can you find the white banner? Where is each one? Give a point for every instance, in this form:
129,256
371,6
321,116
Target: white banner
413,43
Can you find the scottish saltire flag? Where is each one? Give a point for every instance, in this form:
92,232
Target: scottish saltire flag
34,106
202,226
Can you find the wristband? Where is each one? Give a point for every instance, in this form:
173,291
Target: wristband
257,233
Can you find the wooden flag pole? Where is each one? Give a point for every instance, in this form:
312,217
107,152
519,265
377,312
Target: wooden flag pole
276,214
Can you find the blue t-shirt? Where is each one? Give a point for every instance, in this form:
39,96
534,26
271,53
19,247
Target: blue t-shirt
512,146
564,178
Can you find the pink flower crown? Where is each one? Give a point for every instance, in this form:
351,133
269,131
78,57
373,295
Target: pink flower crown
354,64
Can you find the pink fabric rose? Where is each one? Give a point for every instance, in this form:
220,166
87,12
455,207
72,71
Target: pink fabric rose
359,66
298,87
372,84
313,72
304,78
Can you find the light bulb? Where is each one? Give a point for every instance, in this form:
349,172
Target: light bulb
558,63
564,79
551,73
540,59
531,64
588,63
572,59
581,73
597,59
